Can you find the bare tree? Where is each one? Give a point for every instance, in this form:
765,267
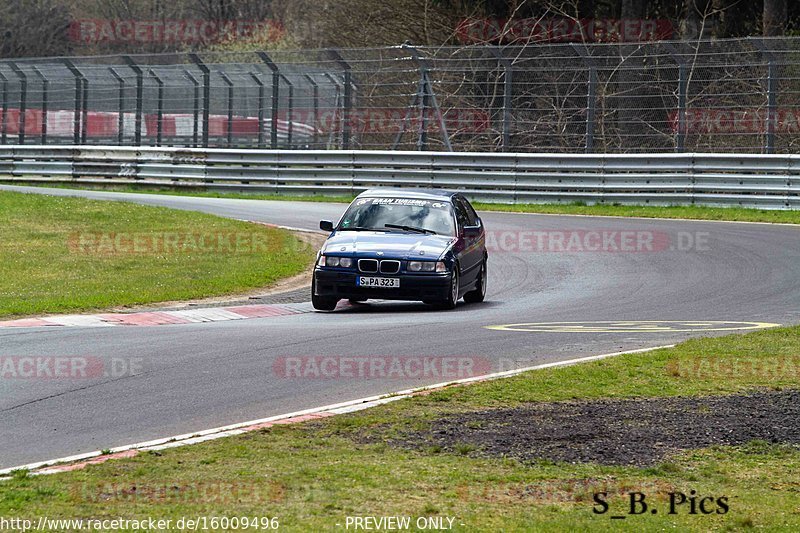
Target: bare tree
359,23
775,17
33,28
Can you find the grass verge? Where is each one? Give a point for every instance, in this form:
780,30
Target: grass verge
71,254
313,476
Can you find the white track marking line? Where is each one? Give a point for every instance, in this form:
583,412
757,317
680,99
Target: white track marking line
207,315
333,409
187,316
78,320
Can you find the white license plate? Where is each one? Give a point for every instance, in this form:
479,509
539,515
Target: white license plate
379,283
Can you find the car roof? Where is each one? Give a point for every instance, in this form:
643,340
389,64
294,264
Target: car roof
421,194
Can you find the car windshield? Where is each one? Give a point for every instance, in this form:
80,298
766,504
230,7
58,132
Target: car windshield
400,214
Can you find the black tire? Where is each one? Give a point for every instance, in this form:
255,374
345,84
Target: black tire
478,294
452,295
320,303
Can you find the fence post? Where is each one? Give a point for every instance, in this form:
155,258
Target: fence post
772,81
508,81
591,91
772,105
426,95
424,104
508,75
76,118
348,96
229,83
423,99
120,106
137,135
276,89
260,85
4,123
315,96
195,106
23,99
289,111
206,94
335,117
159,108
683,94
45,88
84,110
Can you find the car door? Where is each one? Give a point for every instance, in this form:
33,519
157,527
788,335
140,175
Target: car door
472,254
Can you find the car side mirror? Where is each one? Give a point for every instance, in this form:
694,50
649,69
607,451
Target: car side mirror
326,225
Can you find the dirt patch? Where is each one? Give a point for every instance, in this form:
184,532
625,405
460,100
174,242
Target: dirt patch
616,432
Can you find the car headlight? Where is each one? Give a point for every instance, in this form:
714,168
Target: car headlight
330,261
426,266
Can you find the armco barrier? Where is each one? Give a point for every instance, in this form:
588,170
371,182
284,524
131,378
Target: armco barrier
763,181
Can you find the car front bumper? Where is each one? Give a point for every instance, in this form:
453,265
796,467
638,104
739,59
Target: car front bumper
342,284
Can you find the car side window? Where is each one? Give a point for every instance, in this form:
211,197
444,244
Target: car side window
461,214
469,214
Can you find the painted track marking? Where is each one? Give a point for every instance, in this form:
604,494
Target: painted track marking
633,326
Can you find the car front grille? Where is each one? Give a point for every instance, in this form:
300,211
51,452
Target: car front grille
390,266
368,265
373,266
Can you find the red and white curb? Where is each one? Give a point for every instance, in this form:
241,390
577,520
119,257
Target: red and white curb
163,318
77,462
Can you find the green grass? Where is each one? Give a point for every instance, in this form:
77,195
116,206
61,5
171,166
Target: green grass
70,254
312,476
736,214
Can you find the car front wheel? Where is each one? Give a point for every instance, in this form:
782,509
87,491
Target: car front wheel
321,303
452,295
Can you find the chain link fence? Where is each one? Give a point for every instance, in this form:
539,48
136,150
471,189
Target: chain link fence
739,95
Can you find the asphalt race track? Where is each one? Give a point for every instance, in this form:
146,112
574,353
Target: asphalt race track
199,376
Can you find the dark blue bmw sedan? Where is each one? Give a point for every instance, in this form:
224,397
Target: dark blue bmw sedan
403,244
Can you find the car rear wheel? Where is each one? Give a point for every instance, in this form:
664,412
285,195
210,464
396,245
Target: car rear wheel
321,303
478,294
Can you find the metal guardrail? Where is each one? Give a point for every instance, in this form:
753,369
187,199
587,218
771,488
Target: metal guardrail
762,181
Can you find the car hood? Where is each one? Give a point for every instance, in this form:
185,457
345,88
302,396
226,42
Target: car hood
393,244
